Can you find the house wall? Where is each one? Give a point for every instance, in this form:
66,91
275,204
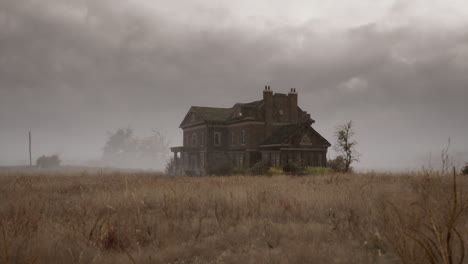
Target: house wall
201,158
254,135
194,161
199,132
211,130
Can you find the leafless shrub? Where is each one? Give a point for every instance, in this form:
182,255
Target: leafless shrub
170,167
48,161
337,164
464,170
446,159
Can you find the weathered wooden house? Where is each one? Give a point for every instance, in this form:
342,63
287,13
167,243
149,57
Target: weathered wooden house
274,129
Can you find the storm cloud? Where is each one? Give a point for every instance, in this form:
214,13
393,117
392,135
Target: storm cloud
72,70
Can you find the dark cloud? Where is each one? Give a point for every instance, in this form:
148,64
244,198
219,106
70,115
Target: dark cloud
72,70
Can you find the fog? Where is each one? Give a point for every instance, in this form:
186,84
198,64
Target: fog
71,71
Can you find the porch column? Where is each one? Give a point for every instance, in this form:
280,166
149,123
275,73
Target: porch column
175,162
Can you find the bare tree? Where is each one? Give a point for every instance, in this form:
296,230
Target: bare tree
120,142
154,145
123,148
346,145
446,159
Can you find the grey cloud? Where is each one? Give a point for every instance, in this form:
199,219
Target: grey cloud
76,69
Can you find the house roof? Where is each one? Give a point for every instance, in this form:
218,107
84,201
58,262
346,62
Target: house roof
237,113
254,103
218,114
213,113
281,134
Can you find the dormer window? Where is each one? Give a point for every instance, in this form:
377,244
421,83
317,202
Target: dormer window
243,137
217,138
306,140
194,139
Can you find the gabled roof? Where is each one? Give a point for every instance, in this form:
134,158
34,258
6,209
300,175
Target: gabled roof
283,133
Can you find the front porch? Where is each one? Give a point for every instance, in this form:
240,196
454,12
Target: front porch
189,161
313,157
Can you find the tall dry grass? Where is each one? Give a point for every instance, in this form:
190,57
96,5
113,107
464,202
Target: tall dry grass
143,218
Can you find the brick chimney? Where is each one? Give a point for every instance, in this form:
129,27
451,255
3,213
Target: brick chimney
292,98
268,107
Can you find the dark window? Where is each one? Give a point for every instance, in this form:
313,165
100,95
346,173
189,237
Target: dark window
244,137
240,160
233,138
194,139
275,159
217,138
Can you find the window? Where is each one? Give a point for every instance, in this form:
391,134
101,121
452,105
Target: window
275,159
233,138
240,160
217,138
306,140
202,140
193,165
194,139
244,136
311,160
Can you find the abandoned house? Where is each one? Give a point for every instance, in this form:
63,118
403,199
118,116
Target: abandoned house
274,130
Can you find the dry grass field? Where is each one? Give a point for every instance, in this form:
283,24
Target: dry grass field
130,217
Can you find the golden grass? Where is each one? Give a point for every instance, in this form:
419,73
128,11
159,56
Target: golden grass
143,218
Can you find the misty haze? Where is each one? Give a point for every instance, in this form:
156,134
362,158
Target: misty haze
71,71
213,131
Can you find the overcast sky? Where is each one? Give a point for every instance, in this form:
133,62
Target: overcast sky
71,70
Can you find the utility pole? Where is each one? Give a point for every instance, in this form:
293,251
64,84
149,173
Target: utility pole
30,156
